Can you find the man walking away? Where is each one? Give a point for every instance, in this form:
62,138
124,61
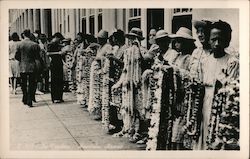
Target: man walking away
27,52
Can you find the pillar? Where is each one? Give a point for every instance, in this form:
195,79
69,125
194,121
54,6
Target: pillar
30,20
36,19
44,22
144,26
87,20
96,21
109,19
168,20
72,23
77,21
54,20
25,19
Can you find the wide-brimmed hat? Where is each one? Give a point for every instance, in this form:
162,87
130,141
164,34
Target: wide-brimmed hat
137,32
103,34
201,23
183,33
161,34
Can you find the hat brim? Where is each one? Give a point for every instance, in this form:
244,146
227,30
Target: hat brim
162,37
198,23
173,36
135,35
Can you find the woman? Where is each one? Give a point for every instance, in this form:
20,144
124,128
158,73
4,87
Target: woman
14,71
130,81
184,45
199,54
96,95
54,48
213,68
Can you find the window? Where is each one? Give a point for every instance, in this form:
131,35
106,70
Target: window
99,22
84,25
182,17
68,24
134,13
92,24
182,11
134,19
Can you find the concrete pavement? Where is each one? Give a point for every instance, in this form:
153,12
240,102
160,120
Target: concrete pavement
64,126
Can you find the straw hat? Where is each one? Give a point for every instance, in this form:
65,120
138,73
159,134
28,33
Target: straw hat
183,33
161,34
137,32
102,34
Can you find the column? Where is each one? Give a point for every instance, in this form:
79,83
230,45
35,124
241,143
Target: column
22,22
30,20
72,23
62,20
36,19
87,20
144,26
77,20
53,20
168,20
25,19
109,19
121,17
96,21
44,22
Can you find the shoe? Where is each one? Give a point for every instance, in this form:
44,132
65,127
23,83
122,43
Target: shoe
134,138
142,141
57,101
61,100
39,93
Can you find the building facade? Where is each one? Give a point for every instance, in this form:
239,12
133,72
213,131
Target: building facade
71,21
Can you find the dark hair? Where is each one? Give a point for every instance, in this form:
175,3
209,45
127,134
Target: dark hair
26,33
120,36
58,35
33,38
91,38
15,37
225,30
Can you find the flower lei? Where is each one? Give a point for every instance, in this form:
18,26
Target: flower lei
224,121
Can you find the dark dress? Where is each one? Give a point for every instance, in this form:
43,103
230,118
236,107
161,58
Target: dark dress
56,72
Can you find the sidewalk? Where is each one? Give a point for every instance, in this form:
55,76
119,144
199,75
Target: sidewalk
64,126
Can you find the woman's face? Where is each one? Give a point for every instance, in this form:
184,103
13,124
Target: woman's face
178,44
201,34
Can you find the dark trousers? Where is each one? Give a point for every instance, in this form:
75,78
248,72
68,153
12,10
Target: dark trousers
57,82
28,87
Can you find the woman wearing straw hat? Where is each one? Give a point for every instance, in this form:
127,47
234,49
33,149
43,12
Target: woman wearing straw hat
130,81
156,53
184,45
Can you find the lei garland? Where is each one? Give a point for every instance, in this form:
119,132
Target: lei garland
162,97
224,121
95,95
87,58
193,103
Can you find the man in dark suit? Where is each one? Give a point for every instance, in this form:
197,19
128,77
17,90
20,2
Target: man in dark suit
27,54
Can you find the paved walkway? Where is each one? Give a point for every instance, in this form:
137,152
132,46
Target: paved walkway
64,126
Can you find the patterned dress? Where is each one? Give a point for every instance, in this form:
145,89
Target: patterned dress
131,108
96,82
212,69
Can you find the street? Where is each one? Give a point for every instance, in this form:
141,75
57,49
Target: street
64,126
